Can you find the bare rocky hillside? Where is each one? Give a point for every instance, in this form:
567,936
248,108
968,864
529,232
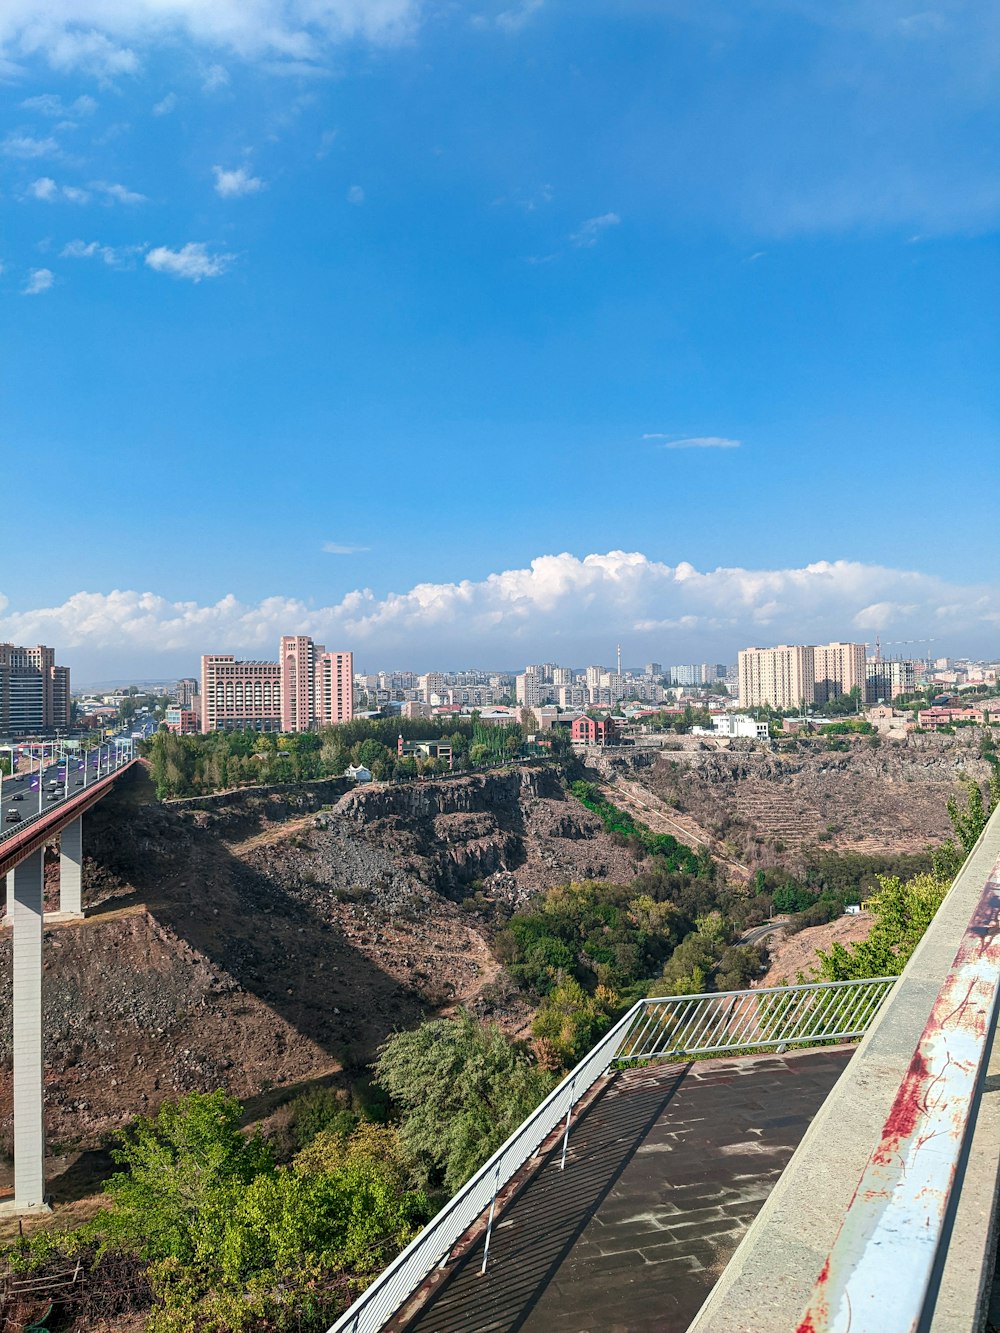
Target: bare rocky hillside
277,936
764,808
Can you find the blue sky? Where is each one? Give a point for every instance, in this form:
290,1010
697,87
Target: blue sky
345,315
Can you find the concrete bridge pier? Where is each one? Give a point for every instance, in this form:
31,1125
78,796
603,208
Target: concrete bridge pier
25,909
71,869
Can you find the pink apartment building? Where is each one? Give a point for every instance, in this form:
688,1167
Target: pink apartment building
239,696
306,687
334,687
297,657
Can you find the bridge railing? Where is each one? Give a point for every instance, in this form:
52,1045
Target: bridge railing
676,1026
108,767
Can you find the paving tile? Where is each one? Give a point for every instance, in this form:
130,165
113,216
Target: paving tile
666,1170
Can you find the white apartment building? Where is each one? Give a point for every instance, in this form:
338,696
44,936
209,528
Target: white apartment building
741,725
572,696
431,683
531,690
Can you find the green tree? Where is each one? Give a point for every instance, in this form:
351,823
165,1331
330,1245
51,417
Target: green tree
903,911
183,1166
461,1087
968,823
569,1022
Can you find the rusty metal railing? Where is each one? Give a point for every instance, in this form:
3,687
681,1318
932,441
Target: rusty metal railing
880,1272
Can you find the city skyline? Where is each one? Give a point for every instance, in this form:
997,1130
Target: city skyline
366,314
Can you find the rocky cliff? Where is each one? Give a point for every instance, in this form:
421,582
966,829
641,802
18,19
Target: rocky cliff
265,939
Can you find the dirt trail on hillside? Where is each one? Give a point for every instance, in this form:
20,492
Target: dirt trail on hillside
646,806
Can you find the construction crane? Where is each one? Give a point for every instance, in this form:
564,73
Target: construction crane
891,643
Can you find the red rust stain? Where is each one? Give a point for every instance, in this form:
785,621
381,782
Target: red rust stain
818,1304
906,1111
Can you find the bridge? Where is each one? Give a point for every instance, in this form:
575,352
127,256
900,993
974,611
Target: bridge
22,851
677,1181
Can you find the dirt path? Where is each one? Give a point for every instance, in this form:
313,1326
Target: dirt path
278,833
644,805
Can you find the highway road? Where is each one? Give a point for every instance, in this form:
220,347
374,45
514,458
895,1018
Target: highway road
28,794
761,932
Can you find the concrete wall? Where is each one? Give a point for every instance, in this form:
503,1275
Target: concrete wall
768,1282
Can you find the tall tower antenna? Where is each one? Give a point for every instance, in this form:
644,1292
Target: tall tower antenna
619,659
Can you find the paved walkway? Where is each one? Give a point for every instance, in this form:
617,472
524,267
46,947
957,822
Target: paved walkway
666,1169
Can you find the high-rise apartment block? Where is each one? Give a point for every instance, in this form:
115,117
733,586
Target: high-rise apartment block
797,675
838,668
334,687
297,657
34,691
185,692
779,677
305,688
886,681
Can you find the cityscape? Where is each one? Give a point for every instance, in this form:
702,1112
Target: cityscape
499,666
307,687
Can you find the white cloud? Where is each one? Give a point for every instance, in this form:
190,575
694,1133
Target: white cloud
216,77
39,280
115,256
694,441
325,143
80,250
336,548
513,20
110,37
591,231
50,104
27,146
166,105
119,194
192,261
559,606
355,195
44,188
233,184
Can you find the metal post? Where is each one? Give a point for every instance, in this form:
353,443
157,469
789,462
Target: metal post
569,1112
489,1224
29,1124
71,869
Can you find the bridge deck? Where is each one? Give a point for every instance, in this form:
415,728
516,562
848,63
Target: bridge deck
666,1169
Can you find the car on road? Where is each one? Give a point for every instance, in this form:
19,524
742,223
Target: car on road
13,816
18,796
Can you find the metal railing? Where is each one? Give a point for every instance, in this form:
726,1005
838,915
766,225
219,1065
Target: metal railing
106,764
675,1026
